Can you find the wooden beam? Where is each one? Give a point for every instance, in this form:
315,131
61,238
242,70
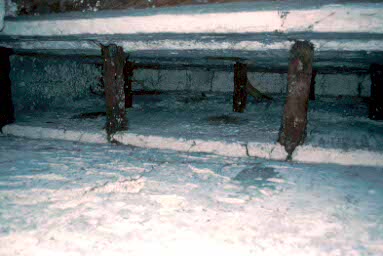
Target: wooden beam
293,129
114,60
128,77
6,107
376,100
240,92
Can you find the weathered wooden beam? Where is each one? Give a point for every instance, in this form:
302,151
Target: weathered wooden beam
293,129
128,76
6,106
376,100
312,85
114,61
240,92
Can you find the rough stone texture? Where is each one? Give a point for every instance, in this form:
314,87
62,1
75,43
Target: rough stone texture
36,7
293,130
202,80
10,8
114,61
376,100
240,92
41,84
346,37
6,106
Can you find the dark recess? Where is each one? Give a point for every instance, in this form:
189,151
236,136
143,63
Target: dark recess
6,106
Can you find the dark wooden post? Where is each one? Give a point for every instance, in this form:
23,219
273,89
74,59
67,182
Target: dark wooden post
128,76
6,107
376,100
312,85
114,61
240,92
293,129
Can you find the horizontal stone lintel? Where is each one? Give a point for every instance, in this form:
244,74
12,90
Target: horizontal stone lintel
348,36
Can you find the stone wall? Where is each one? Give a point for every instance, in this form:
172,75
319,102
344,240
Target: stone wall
46,83
328,84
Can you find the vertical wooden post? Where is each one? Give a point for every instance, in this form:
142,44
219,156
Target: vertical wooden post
240,92
114,61
6,106
312,85
376,100
128,76
293,129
